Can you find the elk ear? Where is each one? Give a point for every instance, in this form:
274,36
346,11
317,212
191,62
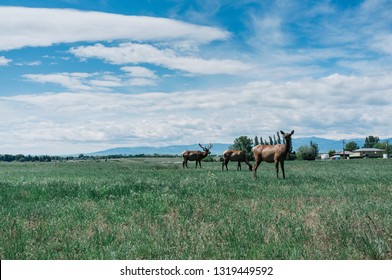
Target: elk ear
282,132
292,132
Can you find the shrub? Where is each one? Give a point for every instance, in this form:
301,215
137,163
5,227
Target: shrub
208,158
306,153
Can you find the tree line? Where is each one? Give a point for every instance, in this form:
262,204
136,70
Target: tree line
23,158
46,158
306,152
244,143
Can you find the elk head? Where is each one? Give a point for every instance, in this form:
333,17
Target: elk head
206,149
287,136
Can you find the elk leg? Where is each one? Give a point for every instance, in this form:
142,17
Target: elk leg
224,163
239,166
248,164
257,163
277,168
282,166
184,163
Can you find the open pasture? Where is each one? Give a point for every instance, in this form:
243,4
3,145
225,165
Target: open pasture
154,209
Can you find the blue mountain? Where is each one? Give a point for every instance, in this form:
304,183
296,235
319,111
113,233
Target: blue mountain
217,149
324,145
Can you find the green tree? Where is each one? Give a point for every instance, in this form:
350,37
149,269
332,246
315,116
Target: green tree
315,148
331,152
370,141
384,146
243,143
308,152
351,146
8,157
20,158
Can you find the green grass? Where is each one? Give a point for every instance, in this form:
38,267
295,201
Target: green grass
155,209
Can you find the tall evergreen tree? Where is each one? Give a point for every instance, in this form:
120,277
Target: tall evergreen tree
256,141
315,148
279,139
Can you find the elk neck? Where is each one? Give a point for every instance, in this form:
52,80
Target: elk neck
287,145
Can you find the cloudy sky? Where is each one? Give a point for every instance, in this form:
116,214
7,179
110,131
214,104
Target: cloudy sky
78,76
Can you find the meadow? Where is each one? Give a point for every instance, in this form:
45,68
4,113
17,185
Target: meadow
152,208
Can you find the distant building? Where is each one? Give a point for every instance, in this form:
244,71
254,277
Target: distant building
344,154
325,156
368,153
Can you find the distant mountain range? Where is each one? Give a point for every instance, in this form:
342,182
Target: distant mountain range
324,146
218,148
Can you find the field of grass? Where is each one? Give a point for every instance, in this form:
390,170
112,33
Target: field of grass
155,209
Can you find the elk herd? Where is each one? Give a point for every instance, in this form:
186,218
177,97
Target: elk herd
269,153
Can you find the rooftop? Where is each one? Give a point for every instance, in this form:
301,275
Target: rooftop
345,152
369,150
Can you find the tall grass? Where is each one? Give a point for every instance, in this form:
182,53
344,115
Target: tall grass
155,209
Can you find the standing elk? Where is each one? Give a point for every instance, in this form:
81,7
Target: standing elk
273,153
195,155
235,155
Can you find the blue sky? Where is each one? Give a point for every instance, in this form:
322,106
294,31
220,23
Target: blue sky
81,76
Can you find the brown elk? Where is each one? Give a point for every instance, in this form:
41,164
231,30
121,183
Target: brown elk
235,155
273,153
195,155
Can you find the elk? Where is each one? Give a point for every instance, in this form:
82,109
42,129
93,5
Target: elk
273,153
195,155
235,155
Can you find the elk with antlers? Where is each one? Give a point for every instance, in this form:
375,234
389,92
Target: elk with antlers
235,155
195,155
273,153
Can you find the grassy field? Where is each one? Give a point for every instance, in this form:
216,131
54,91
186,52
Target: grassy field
155,209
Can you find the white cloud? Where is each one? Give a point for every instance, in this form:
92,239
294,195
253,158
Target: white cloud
133,53
139,72
97,81
139,82
31,63
73,81
321,38
106,81
4,61
22,27
268,31
140,76
335,106
383,43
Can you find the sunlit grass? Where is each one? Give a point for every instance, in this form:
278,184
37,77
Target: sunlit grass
155,209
